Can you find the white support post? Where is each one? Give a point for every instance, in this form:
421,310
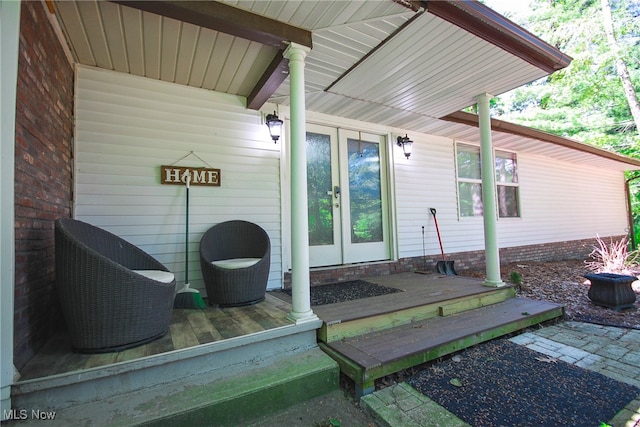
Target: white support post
490,215
300,279
9,36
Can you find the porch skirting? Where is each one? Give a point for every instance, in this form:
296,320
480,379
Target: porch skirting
556,251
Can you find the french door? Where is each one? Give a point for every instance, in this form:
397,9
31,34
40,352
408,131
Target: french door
347,196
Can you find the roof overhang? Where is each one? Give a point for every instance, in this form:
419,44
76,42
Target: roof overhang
417,53
403,63
489,25
521,138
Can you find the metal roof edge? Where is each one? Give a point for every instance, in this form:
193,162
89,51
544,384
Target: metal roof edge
489,25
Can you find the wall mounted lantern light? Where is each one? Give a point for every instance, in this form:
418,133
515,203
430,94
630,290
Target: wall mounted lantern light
405,143
275,126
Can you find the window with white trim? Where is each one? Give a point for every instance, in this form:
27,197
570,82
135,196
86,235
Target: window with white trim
470,182
507,185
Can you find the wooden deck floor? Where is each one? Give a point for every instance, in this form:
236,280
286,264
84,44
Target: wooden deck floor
188,328
418,290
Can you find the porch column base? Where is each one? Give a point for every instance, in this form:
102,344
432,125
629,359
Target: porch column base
494,284
302,317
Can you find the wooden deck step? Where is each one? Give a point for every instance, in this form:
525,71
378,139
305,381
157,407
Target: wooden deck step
229,401
350,319
368,357
208,362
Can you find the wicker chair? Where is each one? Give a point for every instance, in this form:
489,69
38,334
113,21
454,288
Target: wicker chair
235,257
113,295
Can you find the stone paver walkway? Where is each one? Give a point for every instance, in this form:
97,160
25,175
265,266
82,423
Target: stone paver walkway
402,406
610,351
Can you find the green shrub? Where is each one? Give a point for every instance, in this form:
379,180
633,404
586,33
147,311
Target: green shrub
515,278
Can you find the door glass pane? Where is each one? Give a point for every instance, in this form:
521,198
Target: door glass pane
320,208
365,191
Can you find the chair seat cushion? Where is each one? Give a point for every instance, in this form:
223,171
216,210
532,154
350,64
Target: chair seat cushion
157,275
235,263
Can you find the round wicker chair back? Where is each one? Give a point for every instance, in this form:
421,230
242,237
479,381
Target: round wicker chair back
235,240
106,305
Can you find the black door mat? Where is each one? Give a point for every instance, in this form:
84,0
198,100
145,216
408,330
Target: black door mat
346,291
500,383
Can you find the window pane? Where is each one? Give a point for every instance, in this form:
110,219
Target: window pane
365,191
506,167
508,201
468,162
470,199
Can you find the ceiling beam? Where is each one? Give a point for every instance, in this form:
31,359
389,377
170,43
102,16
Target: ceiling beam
375,49
489,25
270,81
226,19
239,23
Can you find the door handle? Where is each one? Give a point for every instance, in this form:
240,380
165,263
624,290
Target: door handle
336,195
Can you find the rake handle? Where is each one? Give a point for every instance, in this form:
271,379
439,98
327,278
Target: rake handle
186,233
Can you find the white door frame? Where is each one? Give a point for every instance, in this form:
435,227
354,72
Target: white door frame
370,251
343,251
329,254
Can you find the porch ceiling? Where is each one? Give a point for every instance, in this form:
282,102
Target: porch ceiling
371,60
400,65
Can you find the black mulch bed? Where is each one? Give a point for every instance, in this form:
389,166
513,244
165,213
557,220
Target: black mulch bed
500,383
346,291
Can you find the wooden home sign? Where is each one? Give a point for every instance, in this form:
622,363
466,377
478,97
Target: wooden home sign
199,176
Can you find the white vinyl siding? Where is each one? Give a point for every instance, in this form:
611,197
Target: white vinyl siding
127,127
559,201
428,180
564,201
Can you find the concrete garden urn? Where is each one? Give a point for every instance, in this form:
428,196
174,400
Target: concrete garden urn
612,290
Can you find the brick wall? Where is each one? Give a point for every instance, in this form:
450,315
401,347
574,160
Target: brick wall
576,249
42,176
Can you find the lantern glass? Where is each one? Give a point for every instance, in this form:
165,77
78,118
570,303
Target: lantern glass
275,126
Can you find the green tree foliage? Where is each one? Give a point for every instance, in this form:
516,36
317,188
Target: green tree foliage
584,101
